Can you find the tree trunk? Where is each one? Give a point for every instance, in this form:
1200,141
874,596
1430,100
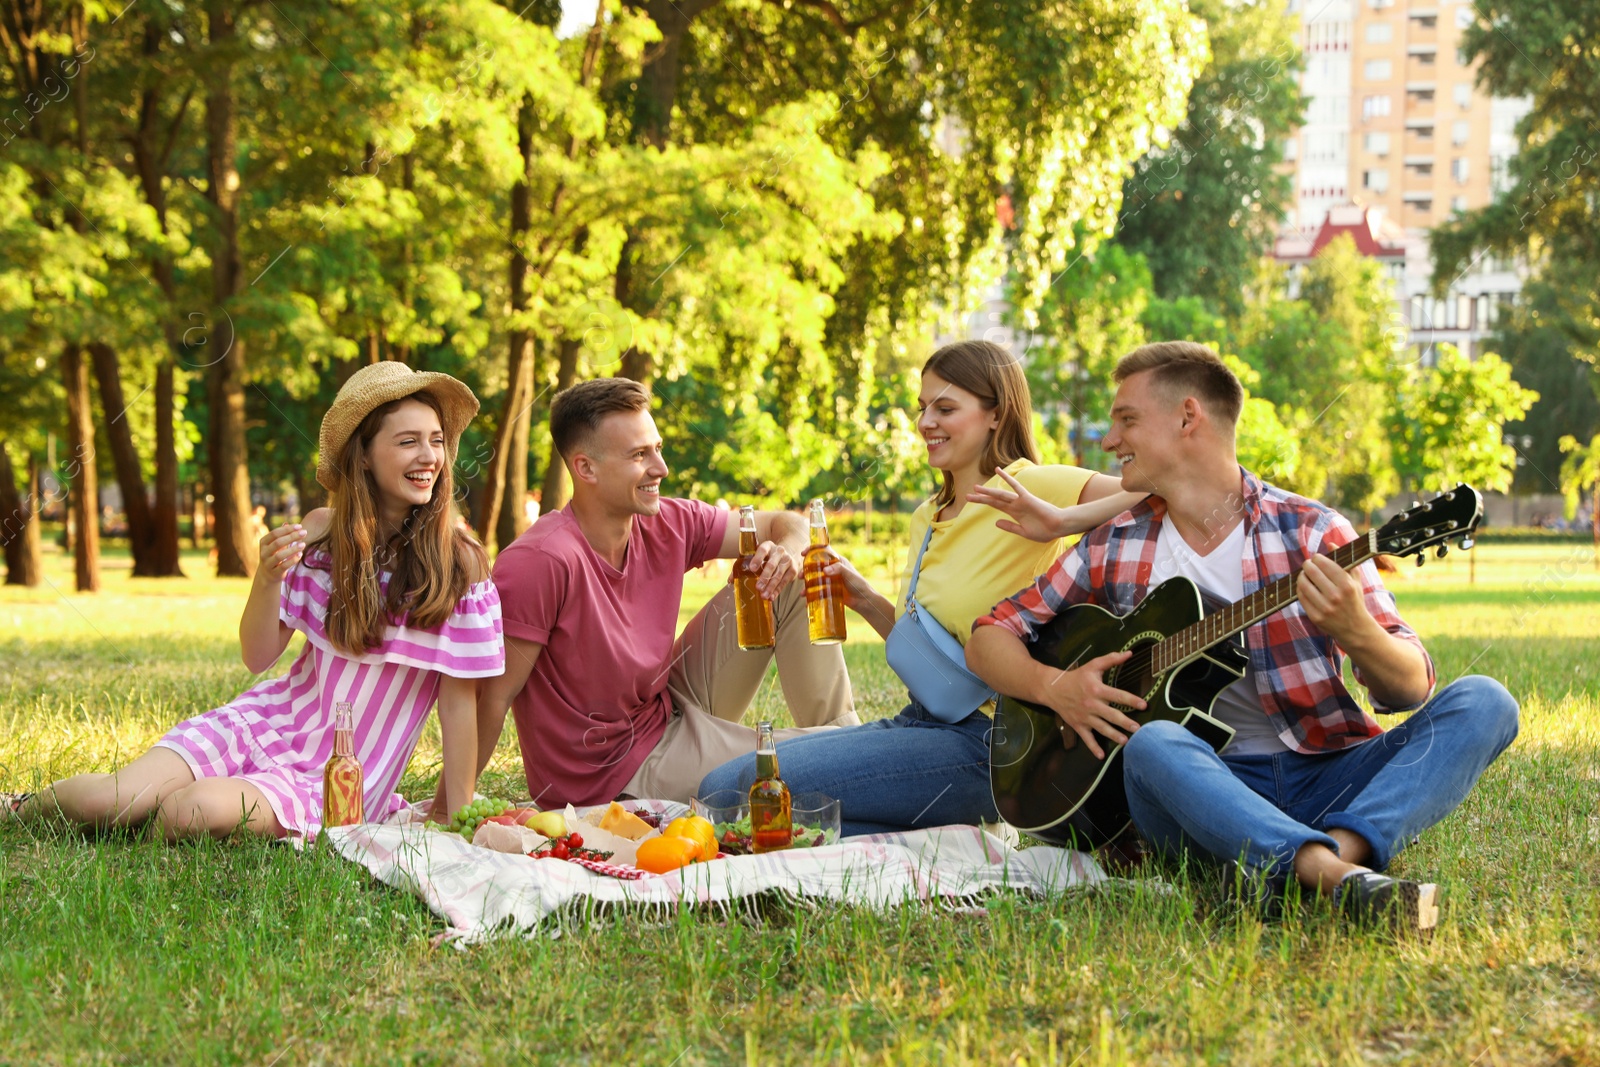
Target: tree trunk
519,358
19,528
514,510
230,475
164,518
85,482
553,497
152,154
125,459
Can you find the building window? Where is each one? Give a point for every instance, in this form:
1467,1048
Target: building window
1377,70
1379,33
1379,5
1374,107
1464,16
1421,170
1291,149
1422,96
1375,180
1376,143
1458,204
1463,95
1458,169
1426,22
1460,131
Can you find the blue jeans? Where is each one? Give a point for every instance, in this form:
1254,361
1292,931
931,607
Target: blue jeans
1262,809
903,773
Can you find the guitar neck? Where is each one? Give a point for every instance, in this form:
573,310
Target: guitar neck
1186,644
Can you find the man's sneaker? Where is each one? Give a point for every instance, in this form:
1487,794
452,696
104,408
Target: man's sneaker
1404,906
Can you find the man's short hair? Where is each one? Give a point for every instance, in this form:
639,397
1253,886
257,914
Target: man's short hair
1189,369
576,413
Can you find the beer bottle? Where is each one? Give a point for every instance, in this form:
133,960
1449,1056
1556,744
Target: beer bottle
341,778
824,597
771,828
753,611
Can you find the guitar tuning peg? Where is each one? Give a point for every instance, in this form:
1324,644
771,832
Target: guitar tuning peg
1416,503
1466,543
1444,550
1421,558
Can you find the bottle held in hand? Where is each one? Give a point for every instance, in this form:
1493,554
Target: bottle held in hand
341,778
824,598
753,611
771,824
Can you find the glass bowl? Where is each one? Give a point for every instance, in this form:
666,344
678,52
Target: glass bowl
816,819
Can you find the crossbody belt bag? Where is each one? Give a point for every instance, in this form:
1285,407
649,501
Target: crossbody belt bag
930,661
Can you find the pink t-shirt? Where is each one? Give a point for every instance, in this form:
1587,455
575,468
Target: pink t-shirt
596,701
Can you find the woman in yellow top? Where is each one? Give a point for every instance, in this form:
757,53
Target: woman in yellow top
914,770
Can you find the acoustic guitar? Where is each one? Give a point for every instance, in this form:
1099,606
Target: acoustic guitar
1183,658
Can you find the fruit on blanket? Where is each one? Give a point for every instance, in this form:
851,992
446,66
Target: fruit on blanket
466,820
524,816
662,854
551,824
696,829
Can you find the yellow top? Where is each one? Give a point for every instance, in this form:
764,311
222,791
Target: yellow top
971,565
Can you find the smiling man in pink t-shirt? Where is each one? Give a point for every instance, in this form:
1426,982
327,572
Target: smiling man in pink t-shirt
607,701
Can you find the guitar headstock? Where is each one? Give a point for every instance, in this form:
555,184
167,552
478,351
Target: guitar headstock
1450,516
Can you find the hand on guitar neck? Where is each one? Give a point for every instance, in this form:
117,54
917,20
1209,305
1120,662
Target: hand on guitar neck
1081,699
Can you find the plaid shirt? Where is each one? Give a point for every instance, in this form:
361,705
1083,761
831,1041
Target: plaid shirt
1297,669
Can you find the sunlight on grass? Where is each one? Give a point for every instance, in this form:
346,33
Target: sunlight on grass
118,949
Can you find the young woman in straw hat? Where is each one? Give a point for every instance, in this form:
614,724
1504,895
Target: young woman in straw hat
398,612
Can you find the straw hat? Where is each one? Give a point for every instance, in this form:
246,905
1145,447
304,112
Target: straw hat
375,385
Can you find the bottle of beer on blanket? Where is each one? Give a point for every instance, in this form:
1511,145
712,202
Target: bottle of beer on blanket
341,778
753,611
770,825
824,598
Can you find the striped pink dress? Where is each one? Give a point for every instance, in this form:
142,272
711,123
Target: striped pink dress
278,736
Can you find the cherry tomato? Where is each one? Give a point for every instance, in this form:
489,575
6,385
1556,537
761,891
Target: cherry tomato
574,841
560,851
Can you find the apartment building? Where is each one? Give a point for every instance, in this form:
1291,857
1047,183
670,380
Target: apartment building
1397,128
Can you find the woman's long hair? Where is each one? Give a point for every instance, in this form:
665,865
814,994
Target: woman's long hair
432,562
994,376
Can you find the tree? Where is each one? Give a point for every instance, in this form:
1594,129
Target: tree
1580,471
1203,208
1449,422
1328,362
1088,320
1550,337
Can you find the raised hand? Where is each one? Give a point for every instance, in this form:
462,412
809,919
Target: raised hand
1082,700
1029,516
281,549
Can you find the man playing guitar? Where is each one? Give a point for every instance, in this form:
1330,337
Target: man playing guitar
1311,786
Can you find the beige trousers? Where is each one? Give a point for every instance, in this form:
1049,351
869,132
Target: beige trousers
713,681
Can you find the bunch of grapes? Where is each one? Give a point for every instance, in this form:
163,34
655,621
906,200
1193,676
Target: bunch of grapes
466,821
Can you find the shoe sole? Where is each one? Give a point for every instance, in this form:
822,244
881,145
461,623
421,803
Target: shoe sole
1417,907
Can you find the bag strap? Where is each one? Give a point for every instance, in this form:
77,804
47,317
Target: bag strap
916,568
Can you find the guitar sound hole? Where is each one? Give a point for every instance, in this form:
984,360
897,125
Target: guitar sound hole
1135,676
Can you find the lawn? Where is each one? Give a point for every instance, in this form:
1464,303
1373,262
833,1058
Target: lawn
118,950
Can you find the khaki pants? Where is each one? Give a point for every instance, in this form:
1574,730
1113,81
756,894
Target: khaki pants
712,682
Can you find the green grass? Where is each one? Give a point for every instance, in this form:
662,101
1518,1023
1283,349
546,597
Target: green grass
117,950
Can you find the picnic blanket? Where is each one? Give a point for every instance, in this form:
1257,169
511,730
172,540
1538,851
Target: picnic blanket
481,893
